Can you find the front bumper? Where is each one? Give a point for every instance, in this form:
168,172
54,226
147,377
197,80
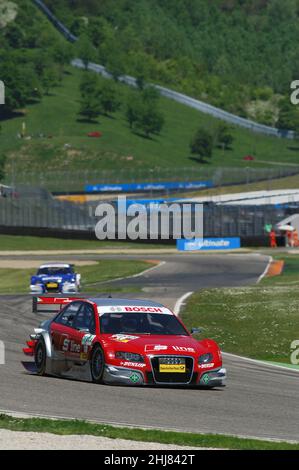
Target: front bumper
123,376
213,378
126,376
63,288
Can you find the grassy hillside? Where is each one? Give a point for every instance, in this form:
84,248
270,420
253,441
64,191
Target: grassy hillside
58,141
226,52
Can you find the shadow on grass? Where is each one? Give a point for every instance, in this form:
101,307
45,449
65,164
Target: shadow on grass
200,160
87,121
6,114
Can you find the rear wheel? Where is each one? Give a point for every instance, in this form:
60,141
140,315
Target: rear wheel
97,363
40,357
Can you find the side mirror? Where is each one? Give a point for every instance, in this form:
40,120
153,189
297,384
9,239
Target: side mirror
195,331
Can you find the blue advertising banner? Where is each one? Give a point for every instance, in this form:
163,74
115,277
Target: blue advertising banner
132,187
205,244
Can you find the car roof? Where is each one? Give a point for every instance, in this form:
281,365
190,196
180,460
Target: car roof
127,302
55,265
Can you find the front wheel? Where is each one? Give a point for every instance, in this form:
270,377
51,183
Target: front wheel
40,357
97,364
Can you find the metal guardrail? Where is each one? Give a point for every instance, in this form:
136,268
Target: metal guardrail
179,97
58,24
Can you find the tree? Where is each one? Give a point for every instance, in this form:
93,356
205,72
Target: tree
224,136
90,107
150,120
133,109
62,56
108,98
202,144
116,64
288,117
140,69
49,79
143,113
85,50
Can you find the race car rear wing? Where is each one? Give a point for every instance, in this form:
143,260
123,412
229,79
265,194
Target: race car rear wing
50,304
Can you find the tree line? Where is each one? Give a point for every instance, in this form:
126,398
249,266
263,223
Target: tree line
228,53
141,107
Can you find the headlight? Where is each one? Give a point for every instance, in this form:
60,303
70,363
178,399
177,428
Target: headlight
205,358
128,356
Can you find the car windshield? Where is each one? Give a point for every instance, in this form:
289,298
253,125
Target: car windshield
54,271
141,323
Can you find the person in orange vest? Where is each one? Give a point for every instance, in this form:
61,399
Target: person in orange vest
295,238
273,243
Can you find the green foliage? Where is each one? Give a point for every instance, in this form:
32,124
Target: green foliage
202,144
225,52
90,106
109,100
193,440
143,112
224,136
288,116
32,58
85,50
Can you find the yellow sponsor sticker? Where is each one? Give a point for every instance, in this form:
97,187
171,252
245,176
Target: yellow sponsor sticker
52,284
83,356
177,368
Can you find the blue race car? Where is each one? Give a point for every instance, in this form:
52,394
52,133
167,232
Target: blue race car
56,277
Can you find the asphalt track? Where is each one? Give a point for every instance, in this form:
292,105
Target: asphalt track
259,401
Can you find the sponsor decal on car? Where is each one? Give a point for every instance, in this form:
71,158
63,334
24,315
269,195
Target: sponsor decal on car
206,378
84,356
87,341
206,366
132,364
133,309
71,346
172,368
123,338
135,378
183,349
155,347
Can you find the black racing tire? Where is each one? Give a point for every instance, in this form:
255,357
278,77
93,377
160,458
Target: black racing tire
40,357
97,364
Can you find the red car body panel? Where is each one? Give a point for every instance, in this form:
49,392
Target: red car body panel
74,347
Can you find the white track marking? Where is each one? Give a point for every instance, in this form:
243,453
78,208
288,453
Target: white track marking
180,302
266,270
260,363
149,269
129,277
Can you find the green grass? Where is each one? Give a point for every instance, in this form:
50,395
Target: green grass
17,280
259,321
27,243
289,182
75,427
57,116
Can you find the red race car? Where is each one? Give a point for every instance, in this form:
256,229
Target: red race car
121,341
